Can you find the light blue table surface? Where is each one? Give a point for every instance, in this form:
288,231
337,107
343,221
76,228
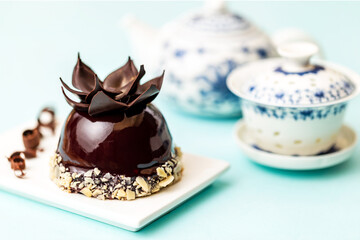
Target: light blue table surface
39,42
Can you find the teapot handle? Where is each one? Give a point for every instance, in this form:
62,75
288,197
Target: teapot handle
289,35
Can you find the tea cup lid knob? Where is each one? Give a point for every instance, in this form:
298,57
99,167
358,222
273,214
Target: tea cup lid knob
298,54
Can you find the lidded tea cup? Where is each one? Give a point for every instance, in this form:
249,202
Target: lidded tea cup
292,105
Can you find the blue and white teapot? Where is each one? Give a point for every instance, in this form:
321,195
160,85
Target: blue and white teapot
199,51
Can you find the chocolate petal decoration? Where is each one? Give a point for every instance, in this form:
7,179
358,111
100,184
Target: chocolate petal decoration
121,90
157,82
131,87
101,103
136,83
75,105
146,96
82,77
81,95
97,88
121,77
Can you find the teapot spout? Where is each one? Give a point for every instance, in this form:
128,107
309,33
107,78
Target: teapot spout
143,39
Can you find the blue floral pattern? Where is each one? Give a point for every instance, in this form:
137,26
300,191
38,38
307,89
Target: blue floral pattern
315,70
211,88
277,82
337,90
179,53
218,23
304,114
262,53
214,77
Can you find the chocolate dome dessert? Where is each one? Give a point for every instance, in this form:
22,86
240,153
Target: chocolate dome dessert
115,144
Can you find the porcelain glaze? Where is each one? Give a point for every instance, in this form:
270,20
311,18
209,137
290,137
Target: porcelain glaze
294,131
342,151
299,109
199,51
278,86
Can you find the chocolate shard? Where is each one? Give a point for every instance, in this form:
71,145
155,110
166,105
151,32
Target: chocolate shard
157,82
131,87
81,95
82,77
97,88
146,96
121,77
75,105
102,103
136,83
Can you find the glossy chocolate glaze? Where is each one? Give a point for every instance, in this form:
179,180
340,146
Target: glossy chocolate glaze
115,143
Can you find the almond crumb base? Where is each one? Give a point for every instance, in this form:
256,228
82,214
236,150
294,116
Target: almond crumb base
97,184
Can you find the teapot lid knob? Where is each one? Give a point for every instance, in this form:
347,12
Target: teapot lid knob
298,53
215,6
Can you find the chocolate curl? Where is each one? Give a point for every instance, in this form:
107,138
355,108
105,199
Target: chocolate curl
31,140
30,153
16,154
47,123
17,163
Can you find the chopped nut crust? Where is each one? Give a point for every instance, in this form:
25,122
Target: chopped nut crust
97,184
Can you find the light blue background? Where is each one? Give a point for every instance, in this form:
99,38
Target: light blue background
39,42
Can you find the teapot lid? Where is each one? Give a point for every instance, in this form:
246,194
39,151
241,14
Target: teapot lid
294,81
215,18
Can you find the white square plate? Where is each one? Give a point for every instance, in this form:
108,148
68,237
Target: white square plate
199,172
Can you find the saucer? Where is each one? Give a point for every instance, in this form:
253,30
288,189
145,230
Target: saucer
343,149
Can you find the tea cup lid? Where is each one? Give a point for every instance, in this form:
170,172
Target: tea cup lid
294,80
